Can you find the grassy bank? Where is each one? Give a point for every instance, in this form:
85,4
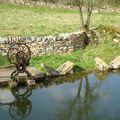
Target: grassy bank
106,49
31,21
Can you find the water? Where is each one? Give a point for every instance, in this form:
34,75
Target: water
94,96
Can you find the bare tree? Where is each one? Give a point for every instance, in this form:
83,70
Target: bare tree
85,24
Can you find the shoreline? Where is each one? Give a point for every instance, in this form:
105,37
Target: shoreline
4,82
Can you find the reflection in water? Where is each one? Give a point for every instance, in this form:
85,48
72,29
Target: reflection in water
78,97
21,107
101,75
80,106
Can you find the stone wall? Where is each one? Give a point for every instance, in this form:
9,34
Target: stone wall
21,2
37,3
64,43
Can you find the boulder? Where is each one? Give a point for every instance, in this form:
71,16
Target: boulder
49,70
116,40
31,82
67,67
115,64
35,73
102,66
117,35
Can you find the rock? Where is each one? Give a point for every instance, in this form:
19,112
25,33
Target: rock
35,73
65,68
13,84
117,35
115,64
49,71
116,40
118,24
102,66
71,71
31,82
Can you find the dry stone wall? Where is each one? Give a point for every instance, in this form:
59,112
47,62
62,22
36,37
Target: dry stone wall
64,43
19,2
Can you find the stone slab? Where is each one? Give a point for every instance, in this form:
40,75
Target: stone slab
101,65
65,68
115,64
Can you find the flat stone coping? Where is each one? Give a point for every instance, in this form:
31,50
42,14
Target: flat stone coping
5,76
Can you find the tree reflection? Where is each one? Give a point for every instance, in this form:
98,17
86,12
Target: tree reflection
79,107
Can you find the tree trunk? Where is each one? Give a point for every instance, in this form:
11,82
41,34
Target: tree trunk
85,26
80,4
89,12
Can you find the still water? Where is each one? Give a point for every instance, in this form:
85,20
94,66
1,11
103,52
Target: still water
93,96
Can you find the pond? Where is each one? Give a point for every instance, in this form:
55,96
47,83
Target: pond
93,96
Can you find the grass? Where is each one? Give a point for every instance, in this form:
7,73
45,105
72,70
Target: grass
3,61
40,21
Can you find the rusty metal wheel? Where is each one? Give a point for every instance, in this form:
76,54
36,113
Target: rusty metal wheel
15,48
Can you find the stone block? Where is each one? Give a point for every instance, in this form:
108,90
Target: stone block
102,66
31,82
115,64
116,40
35,73
67,67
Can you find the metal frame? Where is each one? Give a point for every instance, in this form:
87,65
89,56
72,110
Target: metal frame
19,54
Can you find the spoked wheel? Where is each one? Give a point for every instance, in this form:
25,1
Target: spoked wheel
15,48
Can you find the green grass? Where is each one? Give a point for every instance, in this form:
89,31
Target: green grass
3,61
39,21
